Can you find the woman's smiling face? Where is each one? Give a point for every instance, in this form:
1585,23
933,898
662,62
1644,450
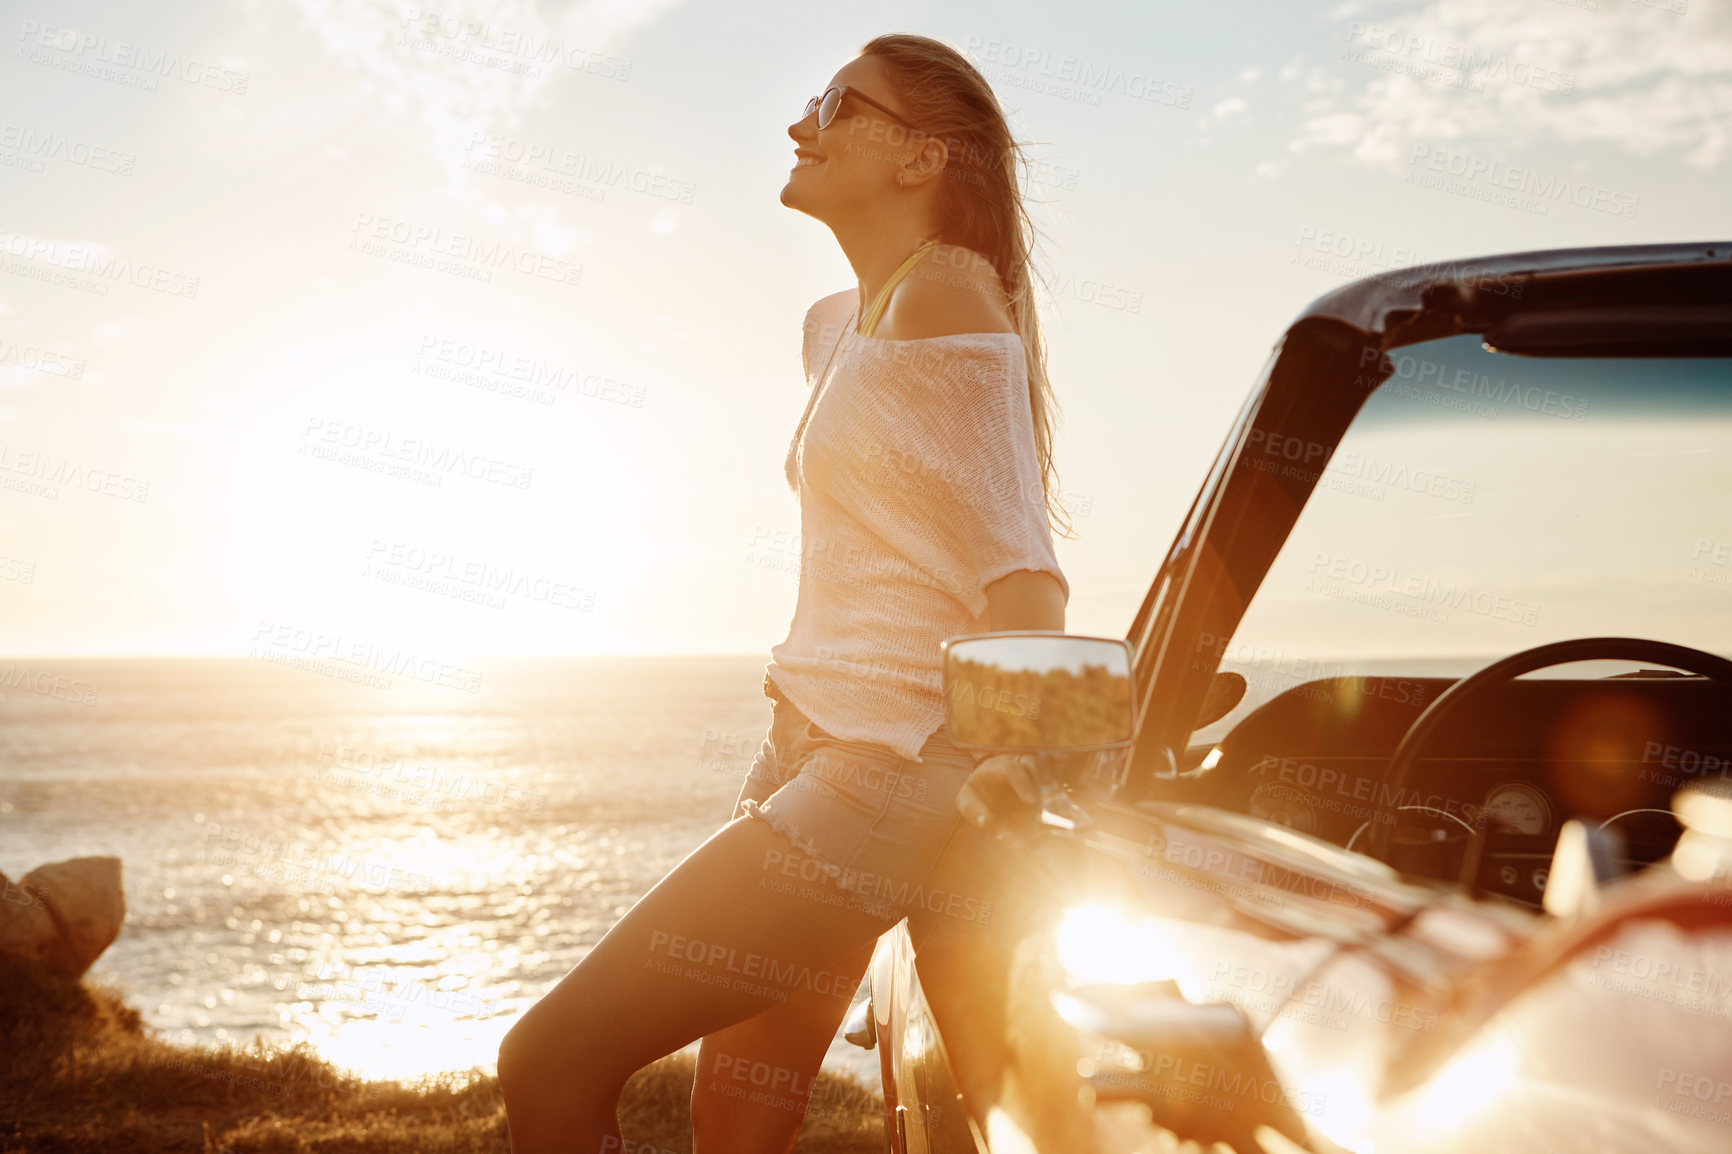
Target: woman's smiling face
845,168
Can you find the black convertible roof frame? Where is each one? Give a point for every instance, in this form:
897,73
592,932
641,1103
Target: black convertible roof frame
1643,300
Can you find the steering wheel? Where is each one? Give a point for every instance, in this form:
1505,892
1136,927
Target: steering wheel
1473,687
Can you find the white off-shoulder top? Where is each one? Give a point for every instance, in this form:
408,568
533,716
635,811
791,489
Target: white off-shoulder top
919,486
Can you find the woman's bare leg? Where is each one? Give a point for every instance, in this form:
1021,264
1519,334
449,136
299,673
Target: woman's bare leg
963,962
755,1077
730,933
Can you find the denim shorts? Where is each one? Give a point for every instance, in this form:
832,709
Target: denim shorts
870,823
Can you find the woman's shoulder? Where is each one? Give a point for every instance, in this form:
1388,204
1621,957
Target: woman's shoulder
830,313
821,331
967,369
954,291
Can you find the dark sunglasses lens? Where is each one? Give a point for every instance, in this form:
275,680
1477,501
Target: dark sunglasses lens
827,107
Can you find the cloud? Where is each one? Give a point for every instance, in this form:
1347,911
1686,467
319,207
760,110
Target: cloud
71,254
468,67
106,333
1641,76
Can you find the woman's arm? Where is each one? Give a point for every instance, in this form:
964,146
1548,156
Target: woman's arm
1025,599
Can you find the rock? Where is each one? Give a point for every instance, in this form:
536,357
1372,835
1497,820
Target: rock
26,930
63,915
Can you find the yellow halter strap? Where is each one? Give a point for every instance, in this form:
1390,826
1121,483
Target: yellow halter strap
869,323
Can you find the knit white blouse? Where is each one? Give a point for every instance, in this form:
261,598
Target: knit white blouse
919,486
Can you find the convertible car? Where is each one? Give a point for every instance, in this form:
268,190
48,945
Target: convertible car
1401,818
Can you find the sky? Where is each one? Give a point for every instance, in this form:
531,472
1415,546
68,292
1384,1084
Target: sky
266,269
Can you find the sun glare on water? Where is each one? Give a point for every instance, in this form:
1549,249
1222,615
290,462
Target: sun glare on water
406,1049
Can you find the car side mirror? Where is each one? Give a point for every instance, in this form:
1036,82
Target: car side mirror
1038,692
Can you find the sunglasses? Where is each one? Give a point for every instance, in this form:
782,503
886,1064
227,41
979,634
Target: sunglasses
827,104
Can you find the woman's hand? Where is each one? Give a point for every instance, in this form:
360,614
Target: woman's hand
998,787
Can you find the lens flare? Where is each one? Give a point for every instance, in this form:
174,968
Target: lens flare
1100,945
1472,1081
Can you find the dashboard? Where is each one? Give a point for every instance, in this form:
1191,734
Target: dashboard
1515,765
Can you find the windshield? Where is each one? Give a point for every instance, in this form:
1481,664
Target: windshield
1482,503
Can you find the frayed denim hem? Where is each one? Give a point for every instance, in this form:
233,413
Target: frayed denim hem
751,807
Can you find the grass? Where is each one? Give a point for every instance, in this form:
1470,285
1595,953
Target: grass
81,1071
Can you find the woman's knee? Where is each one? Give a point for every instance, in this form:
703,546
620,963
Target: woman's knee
722,1123
517,1060
534,1054
710,1117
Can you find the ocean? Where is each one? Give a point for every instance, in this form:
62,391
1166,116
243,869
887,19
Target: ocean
386,867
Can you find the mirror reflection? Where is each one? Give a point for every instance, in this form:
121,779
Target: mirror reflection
1051,691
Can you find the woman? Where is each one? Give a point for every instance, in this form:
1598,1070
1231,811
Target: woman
923,470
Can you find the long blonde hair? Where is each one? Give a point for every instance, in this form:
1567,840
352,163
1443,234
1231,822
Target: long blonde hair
981,205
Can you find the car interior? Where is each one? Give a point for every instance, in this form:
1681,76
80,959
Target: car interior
1481,504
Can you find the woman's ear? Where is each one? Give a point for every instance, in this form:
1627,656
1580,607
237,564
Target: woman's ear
927,163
